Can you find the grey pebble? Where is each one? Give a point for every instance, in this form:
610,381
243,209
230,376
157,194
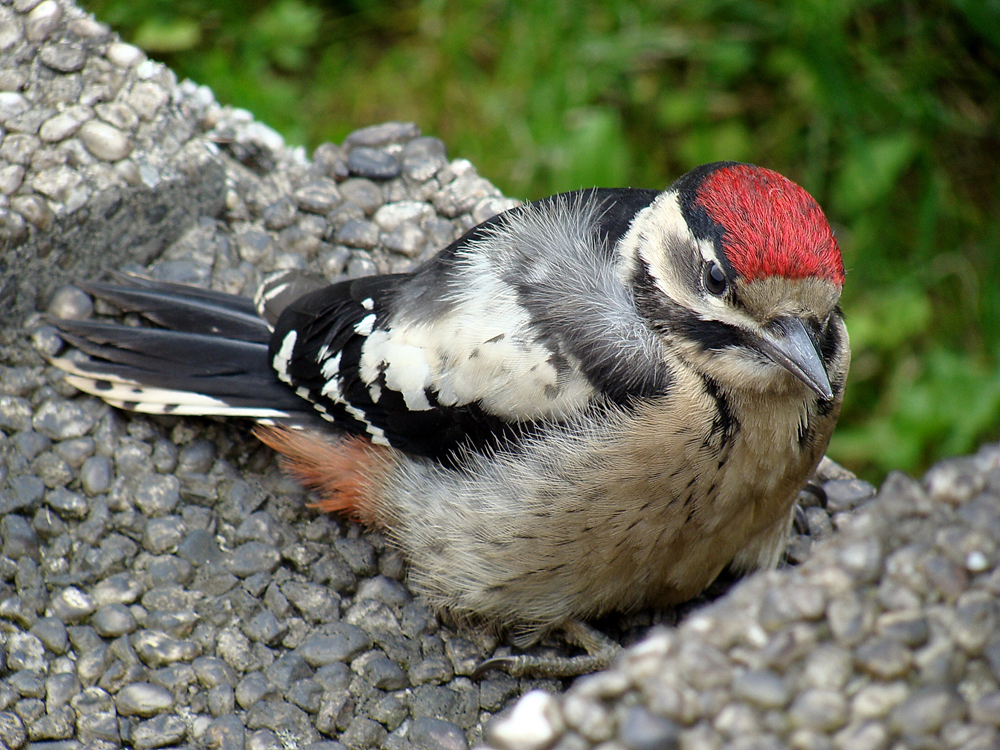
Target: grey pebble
196,457
279,214
363,194
143,699
96,475
427,733
28,684
70,303
162,534
67,504
113,620
263,739
318,197
18,537
104,141
358,267
363,733
341,642
71,605
159,731
253,557
225,733
60,689
157,495
42,20
15,413
200,548
63,56
62,420
383,134
373,163
51,631
358,233
158,649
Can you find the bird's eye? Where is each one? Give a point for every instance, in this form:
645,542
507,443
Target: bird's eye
715,279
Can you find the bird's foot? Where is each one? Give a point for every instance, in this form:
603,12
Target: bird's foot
600,652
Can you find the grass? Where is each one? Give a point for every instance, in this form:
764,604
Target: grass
885,110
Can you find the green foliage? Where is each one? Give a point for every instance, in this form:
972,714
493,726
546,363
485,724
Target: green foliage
886,110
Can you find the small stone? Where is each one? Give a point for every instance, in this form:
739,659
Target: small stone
19,148
157,495
160,650
361,193
846,494
104,141
383,134
63,56
70,303
200,548
19,538
819,710
318,197
57,184
52,633
146,98
226,733
11,177
642,730
358,233
381,672
160,731
69,505
25,651
358,267
253,557
117,115
341,643
884,658
113,620
124,55
434,734
373,163
42,21
461,195
280,214
143,699
533,724
96,475
56,724
363,733
121,588
161,535
926,711
62,420
406,240
72,605
762,688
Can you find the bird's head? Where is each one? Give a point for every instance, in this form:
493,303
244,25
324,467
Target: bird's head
737,268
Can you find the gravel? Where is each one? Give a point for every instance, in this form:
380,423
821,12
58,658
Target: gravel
163,585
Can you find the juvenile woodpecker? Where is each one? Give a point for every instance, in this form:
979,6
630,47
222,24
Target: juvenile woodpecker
594,402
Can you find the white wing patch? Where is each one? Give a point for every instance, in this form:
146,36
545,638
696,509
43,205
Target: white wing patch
364,326
483,350
284,356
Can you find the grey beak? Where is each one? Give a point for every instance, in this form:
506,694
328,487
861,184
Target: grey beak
787,342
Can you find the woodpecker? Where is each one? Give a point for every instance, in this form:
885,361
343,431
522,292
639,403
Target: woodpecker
594,402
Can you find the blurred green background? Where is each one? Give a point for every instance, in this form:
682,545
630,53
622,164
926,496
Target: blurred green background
885,110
